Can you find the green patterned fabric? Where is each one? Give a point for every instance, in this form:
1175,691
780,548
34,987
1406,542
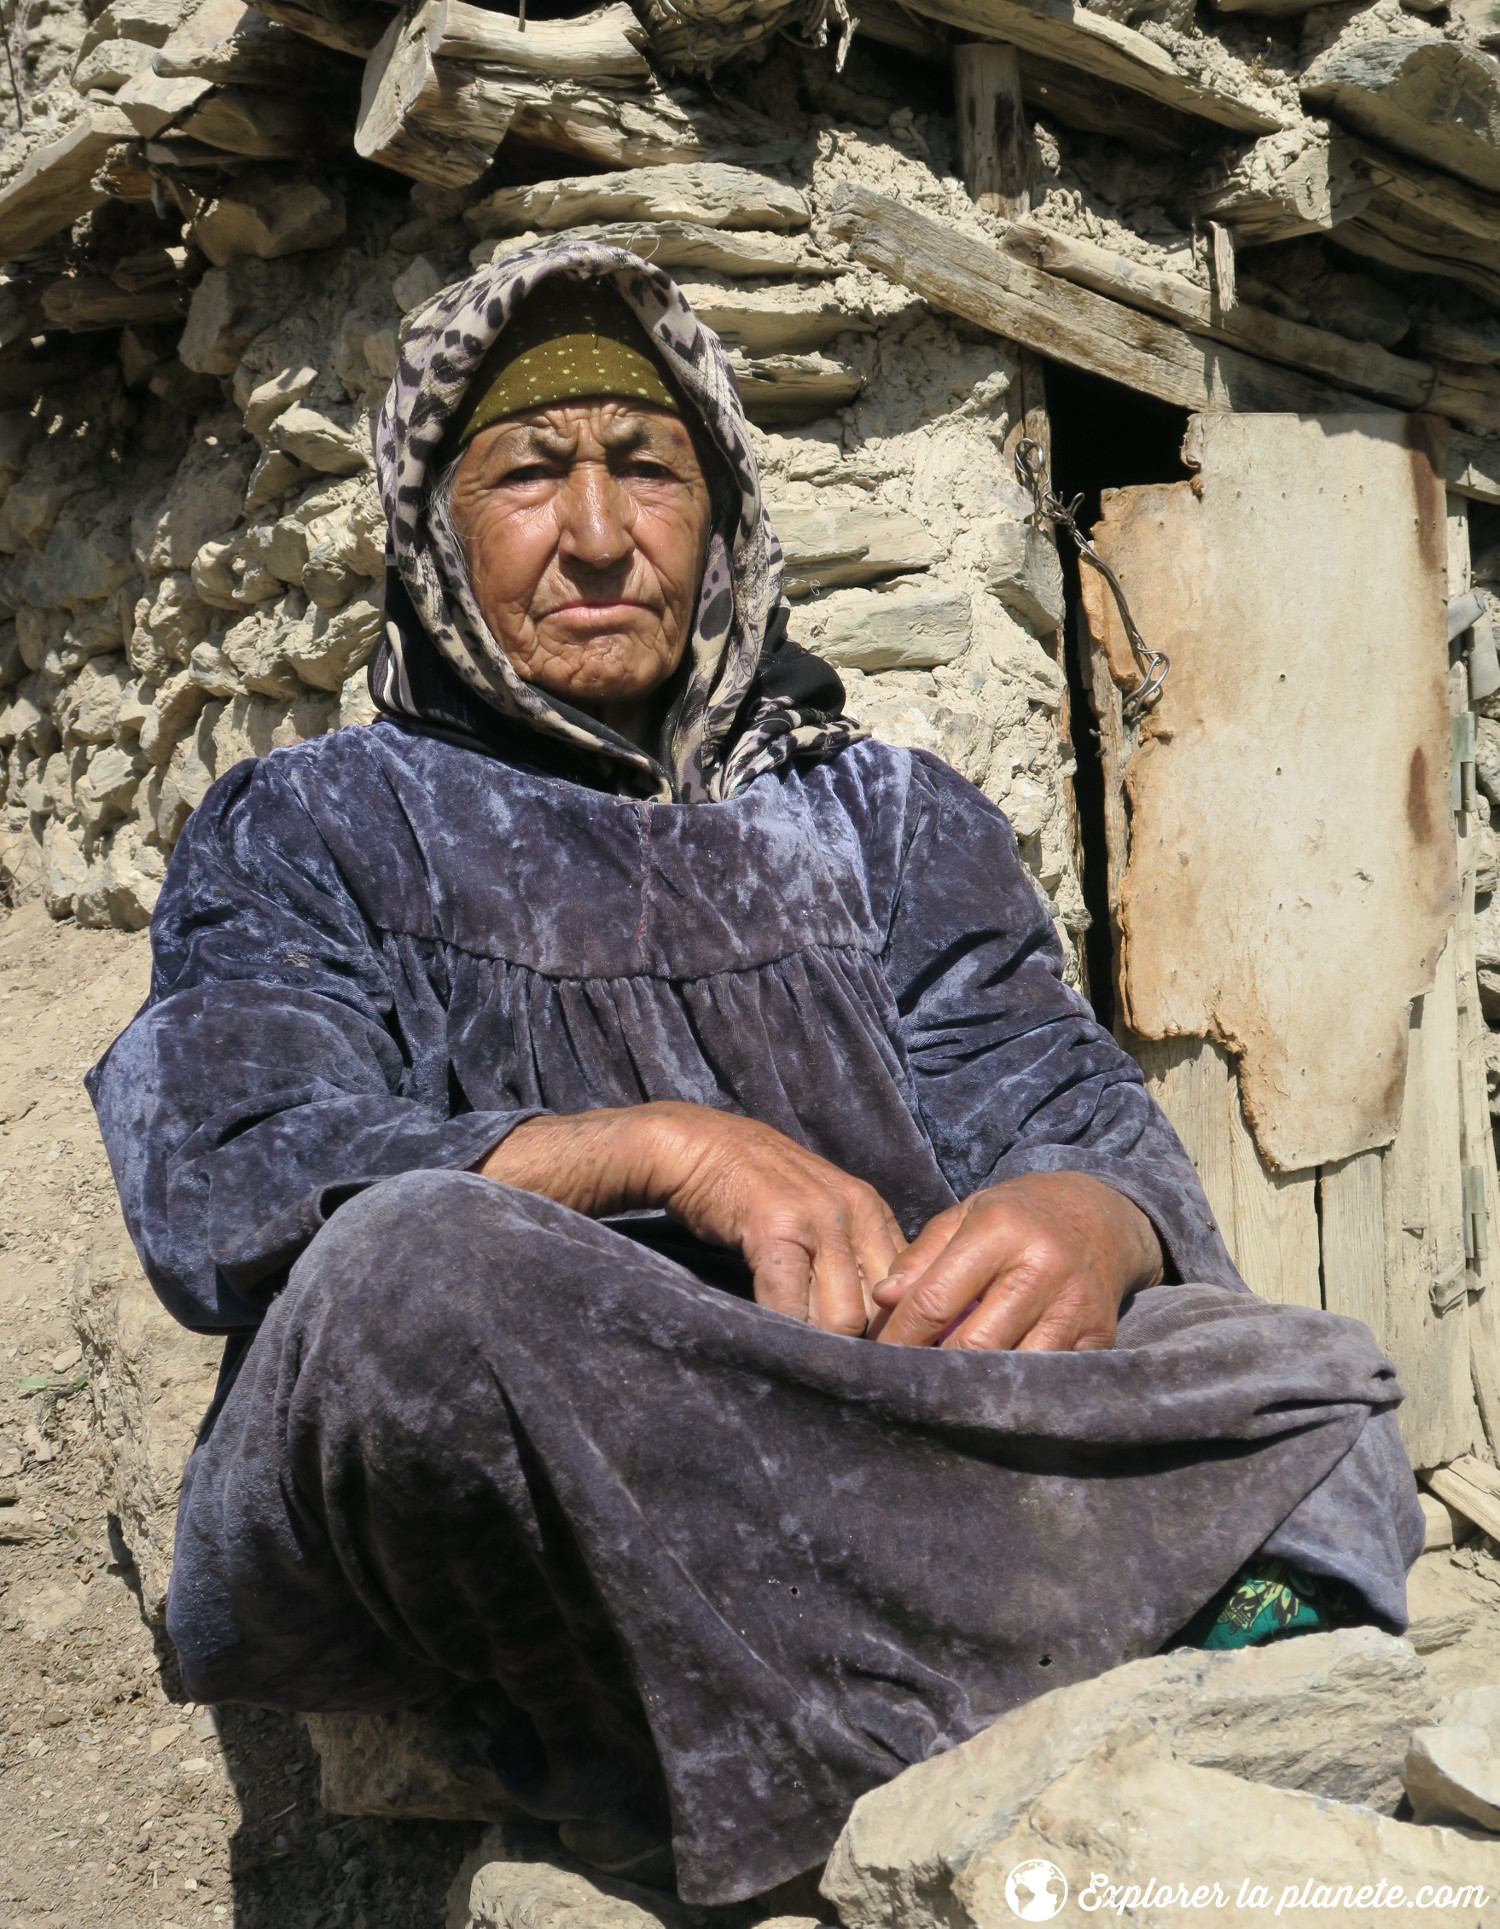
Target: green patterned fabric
1267,1601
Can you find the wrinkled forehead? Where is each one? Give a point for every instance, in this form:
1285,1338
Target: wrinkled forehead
609,421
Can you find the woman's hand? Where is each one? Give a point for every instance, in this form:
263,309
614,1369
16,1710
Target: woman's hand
1039,1263
816,1239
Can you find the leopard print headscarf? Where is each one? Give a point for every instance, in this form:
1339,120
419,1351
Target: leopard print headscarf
734,720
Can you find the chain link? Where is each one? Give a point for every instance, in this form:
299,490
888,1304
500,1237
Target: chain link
1031,473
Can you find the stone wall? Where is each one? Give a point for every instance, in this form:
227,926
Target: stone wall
193,543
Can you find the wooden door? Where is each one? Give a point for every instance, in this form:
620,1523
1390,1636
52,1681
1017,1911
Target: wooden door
1291,888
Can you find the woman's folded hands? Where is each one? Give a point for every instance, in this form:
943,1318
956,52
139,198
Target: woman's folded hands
1039,1262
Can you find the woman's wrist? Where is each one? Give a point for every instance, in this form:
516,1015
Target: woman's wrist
617,1159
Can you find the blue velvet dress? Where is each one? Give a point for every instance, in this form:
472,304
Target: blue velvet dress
700,1563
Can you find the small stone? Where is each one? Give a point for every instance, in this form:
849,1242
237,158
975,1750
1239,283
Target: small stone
1025,572
356,705
417,284
909,626
1452,1771
318,441
274,476
337,644
272,398
107,789
503,1895
127,886
269,218
64,869
151,103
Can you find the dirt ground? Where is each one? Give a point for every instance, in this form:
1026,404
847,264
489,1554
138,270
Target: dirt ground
120,1803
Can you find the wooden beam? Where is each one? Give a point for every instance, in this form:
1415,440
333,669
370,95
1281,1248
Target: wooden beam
1076,37
1291,183
345,26
994,141
1094,106
1365,367
1473,467
998,291
56,185
1470,1486
603,45
449,81
889,22
1398,237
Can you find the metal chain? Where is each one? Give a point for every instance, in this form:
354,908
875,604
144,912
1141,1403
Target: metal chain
1031,473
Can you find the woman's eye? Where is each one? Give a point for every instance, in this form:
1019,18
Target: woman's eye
649,470
526,472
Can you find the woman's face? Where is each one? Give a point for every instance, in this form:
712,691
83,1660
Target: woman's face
585,526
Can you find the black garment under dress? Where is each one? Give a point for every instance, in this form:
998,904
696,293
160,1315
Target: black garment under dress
710,1564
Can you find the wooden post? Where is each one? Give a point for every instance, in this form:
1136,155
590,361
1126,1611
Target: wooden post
994,140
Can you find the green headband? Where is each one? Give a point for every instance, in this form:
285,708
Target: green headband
569,340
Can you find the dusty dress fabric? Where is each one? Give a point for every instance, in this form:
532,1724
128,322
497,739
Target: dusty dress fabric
682,1559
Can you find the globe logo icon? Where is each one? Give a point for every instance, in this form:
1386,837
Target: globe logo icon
1036,1891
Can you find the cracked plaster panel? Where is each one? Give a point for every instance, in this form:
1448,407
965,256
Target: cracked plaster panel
1292,871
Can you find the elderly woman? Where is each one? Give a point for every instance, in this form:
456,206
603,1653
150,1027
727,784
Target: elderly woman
703,1297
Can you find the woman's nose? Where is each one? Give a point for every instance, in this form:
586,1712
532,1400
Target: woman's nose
591,517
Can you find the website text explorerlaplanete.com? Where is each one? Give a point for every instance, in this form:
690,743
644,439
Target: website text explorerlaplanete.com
1117,1898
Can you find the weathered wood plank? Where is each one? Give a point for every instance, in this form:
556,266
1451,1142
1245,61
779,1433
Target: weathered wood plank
346,26
1076,37
994,137
579,86
1364,367
1095,106
1351,1197
1427,1327
1468,1487
967,277
1477,1140
1192,1081
1391,232
56,185
603,45
1275,1220
1238,924
1473,467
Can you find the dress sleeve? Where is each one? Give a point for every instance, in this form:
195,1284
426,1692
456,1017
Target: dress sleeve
277,1066
1013,1072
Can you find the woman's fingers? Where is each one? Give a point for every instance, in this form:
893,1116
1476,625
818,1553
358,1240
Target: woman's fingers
1039,1263
783,1271
973,1265
914,1259
838,1293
